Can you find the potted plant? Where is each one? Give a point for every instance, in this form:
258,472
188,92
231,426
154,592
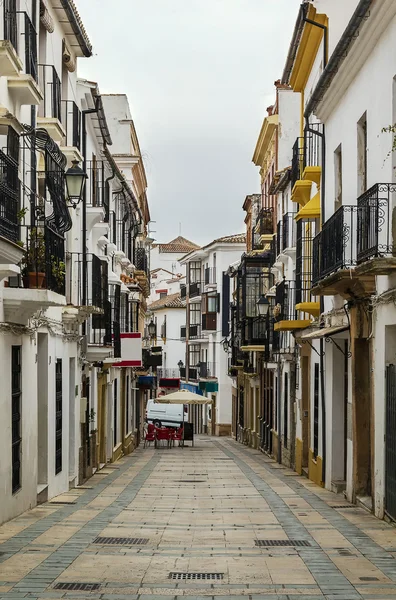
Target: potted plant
33,265
58,269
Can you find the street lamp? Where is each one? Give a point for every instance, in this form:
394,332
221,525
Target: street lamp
75,181
263,306
152,329
180,364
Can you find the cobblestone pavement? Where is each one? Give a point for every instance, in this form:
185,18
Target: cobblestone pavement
198,510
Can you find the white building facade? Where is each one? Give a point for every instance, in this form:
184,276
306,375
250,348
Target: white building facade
207,294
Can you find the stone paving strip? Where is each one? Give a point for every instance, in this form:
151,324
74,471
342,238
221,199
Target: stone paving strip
197,513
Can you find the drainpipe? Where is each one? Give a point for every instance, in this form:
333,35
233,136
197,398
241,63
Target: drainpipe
33,157
279,389
325,38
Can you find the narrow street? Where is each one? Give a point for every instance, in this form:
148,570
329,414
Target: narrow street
198,510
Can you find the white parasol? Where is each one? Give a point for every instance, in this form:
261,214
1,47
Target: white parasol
183,397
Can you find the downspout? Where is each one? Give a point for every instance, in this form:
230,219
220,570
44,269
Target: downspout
33,157
279,425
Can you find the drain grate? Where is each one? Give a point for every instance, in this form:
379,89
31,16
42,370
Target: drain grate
190,481
270,543
344,552
195,576
75,586
52,502
197,474
344,506
368,578
121,541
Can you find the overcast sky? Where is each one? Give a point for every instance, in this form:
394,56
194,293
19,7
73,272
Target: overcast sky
199,75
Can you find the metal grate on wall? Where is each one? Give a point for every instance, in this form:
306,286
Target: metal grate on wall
121,541
196,576
272,543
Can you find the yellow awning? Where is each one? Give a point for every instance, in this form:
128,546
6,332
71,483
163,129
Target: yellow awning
311,210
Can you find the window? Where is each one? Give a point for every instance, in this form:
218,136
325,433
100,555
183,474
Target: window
194,355
58,416
362,154
115,411
134,316
194,272
163,329
163,295
195,314
16,423
338,178
316,411
286,410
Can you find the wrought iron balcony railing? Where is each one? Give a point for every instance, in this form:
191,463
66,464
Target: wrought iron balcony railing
313,140
335,247
375,222
305,233
141,261
194,289
52,89
9,198
254,331
96,281
265,222
10,22
297,160
97,188
71,119
194,332
99,327
30,35
207,370
210,276
288,231
279,237
285,301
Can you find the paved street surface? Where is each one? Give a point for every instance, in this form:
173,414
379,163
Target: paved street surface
198,510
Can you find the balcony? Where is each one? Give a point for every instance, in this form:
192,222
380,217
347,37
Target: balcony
264,230
194,289
305,301
42,280
285,313
99,335
71,121
10,63
376,250
188,374
306,163
87,294
10,252
23,87
195,332
183,332
207,370
97,192
50,111
142,272
209,322
210,276
254,332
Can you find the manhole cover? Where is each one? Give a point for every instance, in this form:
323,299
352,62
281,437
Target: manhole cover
268,543
368,578
83,587
120,541
195,576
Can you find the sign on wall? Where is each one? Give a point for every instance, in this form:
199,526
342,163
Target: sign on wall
131,350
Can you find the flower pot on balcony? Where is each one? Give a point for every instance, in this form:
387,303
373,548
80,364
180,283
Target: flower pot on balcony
36,280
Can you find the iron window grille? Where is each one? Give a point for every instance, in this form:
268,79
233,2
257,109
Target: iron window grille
210,276
297,161
9,197
285,300
16,399
115,336
313,140
71,119
97,171
13,145
304,266
58,416
52,89
288,231
183,332
375,222
10,22
96,280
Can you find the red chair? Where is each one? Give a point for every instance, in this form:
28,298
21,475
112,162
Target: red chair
150,435
177,436
164,435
